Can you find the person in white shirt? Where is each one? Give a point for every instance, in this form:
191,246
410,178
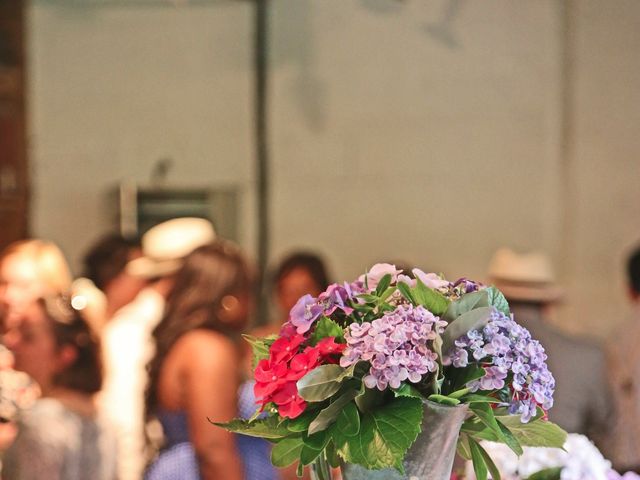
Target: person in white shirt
127,337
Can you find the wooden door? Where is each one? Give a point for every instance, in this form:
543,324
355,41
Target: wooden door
14,181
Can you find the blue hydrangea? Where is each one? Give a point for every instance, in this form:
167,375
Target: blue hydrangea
511,359
397,346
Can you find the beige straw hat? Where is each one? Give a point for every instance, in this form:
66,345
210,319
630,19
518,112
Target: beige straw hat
165,245
526,277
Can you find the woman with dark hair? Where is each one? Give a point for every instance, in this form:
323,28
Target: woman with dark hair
195,374
60,437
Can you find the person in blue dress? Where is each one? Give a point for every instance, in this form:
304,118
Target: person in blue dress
194,377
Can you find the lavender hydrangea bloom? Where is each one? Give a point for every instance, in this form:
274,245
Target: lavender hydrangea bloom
508,354
304,313
396,346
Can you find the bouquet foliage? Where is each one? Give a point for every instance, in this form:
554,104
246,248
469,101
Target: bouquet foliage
346,379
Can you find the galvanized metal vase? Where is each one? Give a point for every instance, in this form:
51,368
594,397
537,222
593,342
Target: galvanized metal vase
432,454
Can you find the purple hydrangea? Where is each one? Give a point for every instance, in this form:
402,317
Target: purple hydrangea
511,358
304,313
396,345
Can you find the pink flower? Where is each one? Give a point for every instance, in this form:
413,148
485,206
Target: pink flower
290,404
284,348
378,271
431,280
303,363
269,377
328,346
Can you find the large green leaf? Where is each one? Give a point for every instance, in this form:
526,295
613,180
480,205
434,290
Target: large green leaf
313,446
458,378
497,299
485,413
329,414
320,383
495,473
348,422
259,347
479,467
430,299
265,428
466,303
472,320
385,435
536,433
325,327
287,451
511,440
301,423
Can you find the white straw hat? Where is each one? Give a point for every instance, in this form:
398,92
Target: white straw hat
165,245
526,277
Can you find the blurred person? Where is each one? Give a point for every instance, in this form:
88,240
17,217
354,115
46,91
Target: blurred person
298,274
623,362
105,266
127,337
61,436
582,397
29,269
195,374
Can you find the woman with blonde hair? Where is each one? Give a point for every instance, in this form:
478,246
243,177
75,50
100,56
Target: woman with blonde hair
29,269
61,437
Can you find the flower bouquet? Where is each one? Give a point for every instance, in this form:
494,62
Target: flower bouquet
360,373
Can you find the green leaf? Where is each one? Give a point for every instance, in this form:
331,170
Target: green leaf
444,400
348,423
554,473
325,327
466,303
329,414
479,467
458,378
432,300
495,473
510,439
369,298
405,290
476,398
536,433
320,383
301,423
462,447
259,347
383,284
369,399
287,451
332,455
485,413
473,320
264,428
313,446
386,434
498,300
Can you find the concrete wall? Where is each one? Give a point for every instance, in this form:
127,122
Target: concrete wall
431,132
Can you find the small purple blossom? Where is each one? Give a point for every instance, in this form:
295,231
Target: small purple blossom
304,313
511,358
396,345
336,297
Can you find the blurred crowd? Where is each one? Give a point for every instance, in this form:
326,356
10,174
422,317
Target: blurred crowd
122,373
